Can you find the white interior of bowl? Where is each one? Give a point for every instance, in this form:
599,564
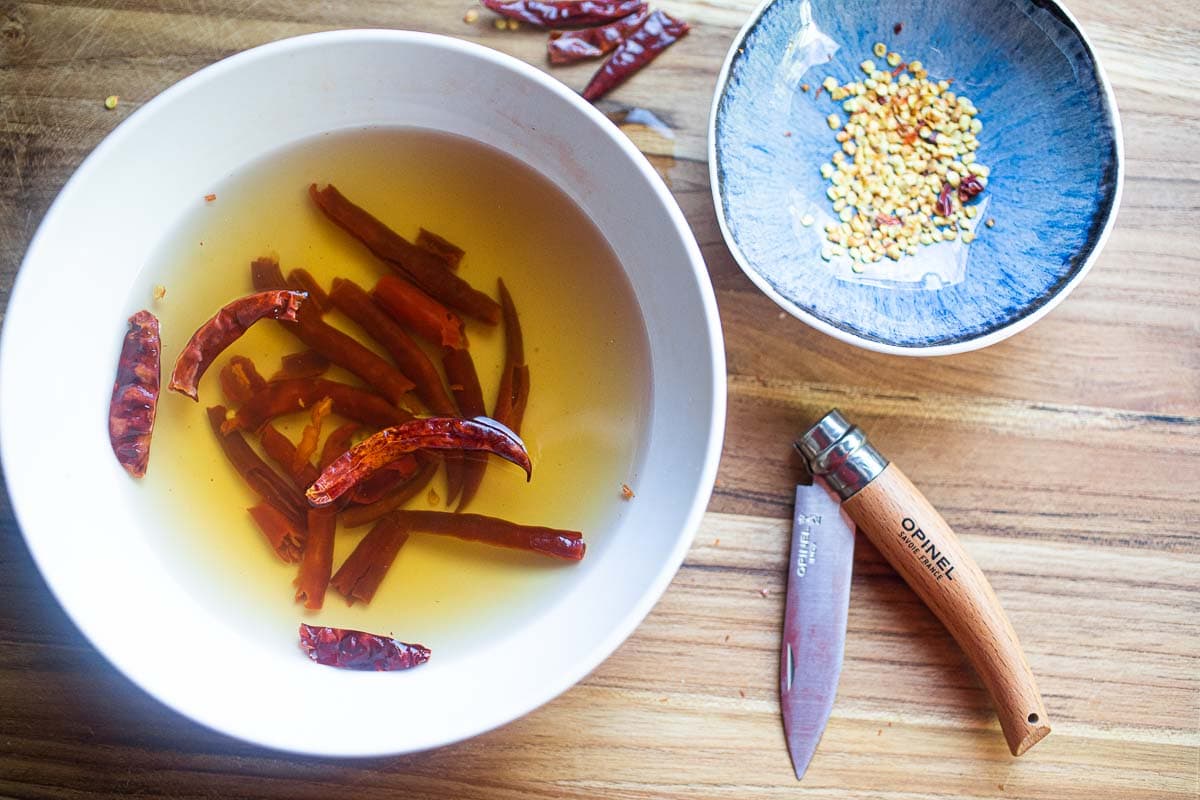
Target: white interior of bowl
81,514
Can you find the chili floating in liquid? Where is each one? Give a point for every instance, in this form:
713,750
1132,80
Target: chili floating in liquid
240,379
567,47
432,433
305,364
355,516
353,301
282,451
564,544
266,482
351,649
302,281
412,307
425,269
657,33
444,249
282,536
565,13
316,563
134,402
311,434
287,397
359,576
225,328
336,443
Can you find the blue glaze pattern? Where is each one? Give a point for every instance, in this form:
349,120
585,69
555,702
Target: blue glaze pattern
1049,136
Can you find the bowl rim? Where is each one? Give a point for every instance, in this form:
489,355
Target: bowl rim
621,628
966,345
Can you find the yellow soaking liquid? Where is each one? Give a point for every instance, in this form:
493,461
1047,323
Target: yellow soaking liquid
584,342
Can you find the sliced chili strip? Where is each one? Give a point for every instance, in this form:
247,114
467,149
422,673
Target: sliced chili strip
305,364
134,400
444,249
311,434
316,564
563,544
336,346
359,576
279,448
354,516
432,433
567,47
281,535
287,397
302,281
410,306
514,359
336,443
424,268
240,379
657,33
350,649
355,303
266,482
464,383
565,13
225,328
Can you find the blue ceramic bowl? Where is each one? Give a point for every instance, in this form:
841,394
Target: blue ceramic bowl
1051,136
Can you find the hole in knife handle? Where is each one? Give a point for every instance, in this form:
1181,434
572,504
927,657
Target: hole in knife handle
1033,718
791,670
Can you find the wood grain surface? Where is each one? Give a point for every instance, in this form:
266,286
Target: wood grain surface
1067,458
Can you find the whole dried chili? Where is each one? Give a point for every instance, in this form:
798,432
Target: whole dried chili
336,346
355,303
305,364
134,400
316,564
432,433
565,13
968,188
944,206
427,317
278,398
350,649
566,47
302,281
359,576
240,379
425,269
354,516
266,482
562,544
280,449
443,248
657,33
282,536
225,327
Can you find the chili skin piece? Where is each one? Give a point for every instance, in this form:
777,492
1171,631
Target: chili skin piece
565,13
351,649
567,47
658,32
134,400
567,545
225,328
434,433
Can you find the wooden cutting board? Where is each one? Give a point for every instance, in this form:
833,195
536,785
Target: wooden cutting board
1068,458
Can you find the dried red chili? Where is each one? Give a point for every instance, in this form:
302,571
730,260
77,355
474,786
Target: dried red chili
968,188
336,443
657,33
266,482
240,379
282,536
427,317
134,400
226,326
424,268
565,13
432,433
568,545
944,205
384,482
316,564
302,281
305,364
354,302
441,247
354,516
567,47
359,576
287,397
280,449
311,434
350,649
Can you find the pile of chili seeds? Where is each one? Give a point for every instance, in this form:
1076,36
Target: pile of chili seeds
906,171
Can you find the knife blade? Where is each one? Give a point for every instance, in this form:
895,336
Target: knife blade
814,625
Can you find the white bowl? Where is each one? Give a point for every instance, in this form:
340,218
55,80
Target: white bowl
81,516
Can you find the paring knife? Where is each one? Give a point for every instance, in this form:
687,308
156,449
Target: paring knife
877,497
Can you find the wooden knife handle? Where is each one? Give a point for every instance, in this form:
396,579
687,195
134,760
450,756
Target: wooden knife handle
915,540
